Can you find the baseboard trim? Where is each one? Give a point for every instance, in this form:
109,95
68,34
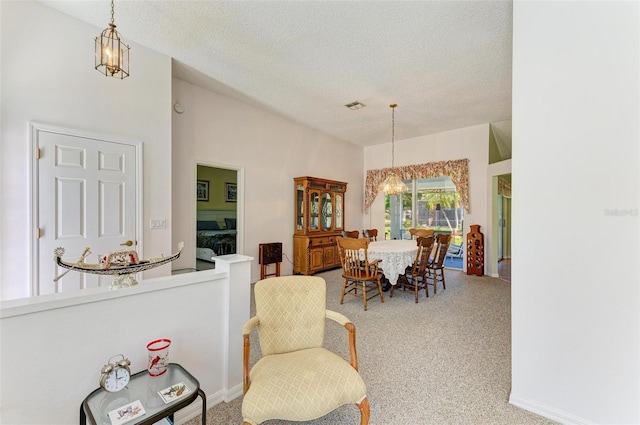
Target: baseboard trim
195,409
233,393
547,411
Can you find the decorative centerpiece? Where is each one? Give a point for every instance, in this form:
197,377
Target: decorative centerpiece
121,264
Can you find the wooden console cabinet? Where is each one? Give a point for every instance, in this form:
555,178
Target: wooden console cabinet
319,218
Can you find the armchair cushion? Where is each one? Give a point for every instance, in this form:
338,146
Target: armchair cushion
289,311
301,385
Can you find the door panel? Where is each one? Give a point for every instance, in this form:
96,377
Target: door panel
329,256
317,259
87,190
70,200
111,207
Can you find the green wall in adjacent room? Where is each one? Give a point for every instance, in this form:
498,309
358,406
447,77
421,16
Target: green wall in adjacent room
494,152
217,177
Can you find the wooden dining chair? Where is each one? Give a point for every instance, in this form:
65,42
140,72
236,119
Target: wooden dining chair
372,234
360,275
435,270
354,234
422,232
415,276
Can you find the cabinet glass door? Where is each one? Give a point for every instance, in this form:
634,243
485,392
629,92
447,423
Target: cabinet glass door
314,210
339,224
327,211
300,207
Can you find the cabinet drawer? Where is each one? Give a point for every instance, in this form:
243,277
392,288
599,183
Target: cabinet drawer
327,240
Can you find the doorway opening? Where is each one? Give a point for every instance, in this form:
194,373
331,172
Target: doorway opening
216,214
503,205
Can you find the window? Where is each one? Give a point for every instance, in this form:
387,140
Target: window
432,203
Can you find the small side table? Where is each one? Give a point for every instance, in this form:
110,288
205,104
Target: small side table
95,408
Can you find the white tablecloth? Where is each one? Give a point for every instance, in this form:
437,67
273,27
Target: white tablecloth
396,255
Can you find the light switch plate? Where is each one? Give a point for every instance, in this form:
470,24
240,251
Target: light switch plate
158,224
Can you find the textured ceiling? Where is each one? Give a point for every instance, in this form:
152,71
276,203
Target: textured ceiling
447,64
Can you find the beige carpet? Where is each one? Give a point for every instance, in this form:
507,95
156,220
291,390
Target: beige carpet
445,360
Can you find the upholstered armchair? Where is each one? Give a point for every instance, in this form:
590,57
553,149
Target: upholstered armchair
296,378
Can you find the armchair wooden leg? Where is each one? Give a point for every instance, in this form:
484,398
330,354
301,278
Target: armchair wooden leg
364,411
344,288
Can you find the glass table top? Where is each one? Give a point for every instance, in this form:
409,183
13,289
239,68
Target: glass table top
146,389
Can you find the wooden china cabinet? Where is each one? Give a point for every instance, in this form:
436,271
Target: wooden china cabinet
319,218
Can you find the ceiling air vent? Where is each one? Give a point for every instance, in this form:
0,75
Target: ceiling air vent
355,105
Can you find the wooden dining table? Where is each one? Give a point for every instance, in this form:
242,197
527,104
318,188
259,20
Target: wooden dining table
396,256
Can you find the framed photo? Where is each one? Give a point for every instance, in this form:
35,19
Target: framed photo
202,190
232,192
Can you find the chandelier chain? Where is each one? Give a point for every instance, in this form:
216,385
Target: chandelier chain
393,133
392,184
112,13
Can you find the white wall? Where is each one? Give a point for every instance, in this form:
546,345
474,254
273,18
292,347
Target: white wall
470,142
272,150
575,278
48,75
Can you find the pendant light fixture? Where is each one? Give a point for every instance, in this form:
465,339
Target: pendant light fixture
393,185
112,54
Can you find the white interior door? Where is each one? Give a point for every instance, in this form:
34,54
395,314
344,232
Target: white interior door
86,197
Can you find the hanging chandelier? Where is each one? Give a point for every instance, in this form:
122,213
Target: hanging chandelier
393,185
112,54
